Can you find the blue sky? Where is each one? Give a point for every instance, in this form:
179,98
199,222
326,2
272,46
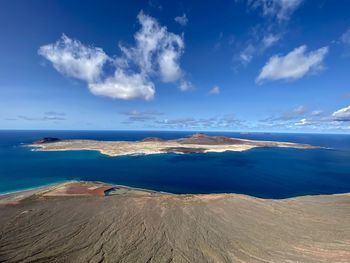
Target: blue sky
239,65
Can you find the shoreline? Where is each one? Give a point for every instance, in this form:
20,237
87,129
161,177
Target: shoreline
42,187
19,195
34,188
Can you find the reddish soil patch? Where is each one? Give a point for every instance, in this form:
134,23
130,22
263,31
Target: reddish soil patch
87,190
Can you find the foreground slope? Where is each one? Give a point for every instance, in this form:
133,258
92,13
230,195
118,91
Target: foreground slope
139,226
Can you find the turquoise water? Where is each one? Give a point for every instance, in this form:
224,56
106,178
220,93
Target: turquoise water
261,172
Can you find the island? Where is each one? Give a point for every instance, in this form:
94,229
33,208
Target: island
197,143
95,222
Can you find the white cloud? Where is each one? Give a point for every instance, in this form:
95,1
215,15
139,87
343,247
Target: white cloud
148,40
215,90
156,53
279,9
294,65
345,38
342,114
182,20
124,86
170,70
270,40
185,85
303,122
73,59
156,50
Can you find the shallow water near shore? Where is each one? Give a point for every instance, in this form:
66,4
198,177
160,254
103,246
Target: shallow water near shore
261,172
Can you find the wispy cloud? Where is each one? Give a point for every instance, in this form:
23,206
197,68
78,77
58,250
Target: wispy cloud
182,20
294,113
48,116
300,117
281,10
215,90
287,116
345,41
345,37
156,53
247,54
185,85
258,41
141,116
267,33
295,65
293,119
156,119
269,40
303,122
228,121
317,113
54,113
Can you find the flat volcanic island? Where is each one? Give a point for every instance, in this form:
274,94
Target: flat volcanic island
197,143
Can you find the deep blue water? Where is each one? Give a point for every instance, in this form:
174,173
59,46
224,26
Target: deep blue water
261,172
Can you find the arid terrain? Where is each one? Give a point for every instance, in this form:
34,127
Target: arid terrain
197,143
94,222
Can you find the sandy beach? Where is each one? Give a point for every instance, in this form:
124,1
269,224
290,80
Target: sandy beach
77,222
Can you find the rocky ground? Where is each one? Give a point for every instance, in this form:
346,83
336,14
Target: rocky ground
140,226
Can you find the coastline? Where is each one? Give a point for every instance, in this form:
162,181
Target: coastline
42,189
33,188
45,187
18,195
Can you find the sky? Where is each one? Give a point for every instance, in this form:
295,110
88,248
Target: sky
234,65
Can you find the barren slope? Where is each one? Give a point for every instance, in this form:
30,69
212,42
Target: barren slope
152,227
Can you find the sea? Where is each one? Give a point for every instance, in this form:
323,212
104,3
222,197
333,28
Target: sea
261,172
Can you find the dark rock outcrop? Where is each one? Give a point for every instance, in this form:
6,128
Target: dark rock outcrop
47,140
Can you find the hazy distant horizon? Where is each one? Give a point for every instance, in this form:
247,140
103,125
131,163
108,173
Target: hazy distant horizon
190,131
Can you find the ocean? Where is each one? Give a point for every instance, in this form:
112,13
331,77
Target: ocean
261,172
